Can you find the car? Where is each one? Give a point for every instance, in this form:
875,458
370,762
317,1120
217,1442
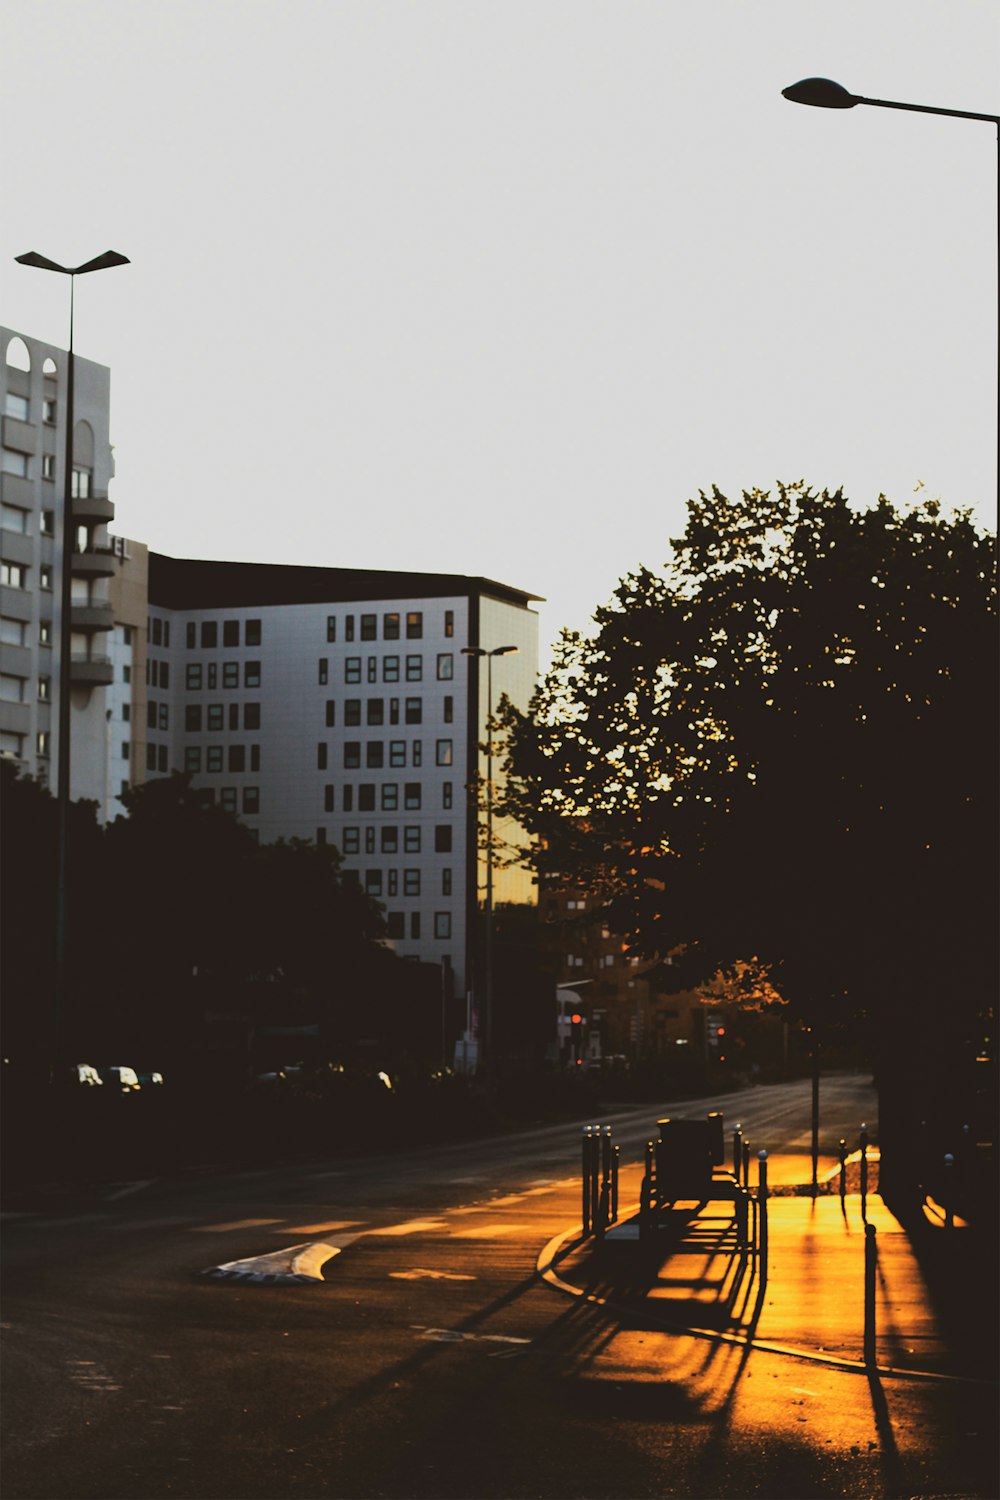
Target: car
84,1075
126,1079
149,1080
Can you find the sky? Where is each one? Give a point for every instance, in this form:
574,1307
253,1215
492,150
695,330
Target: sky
495,286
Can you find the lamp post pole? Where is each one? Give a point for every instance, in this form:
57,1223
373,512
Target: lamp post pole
66,531
824,93
486,1021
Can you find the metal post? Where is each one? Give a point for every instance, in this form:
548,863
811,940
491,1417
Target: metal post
746,1163
63,721
585,1179
762,1201
815,1120
595,1174
948,1184
842,1150
737,1150
487,1029
871,1262
863,1144
615,1163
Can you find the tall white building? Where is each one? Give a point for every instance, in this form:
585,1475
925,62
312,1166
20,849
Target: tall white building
336,705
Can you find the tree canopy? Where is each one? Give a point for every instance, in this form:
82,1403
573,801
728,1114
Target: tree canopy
781,750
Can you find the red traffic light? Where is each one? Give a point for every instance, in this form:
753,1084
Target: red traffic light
720,1031
576,1019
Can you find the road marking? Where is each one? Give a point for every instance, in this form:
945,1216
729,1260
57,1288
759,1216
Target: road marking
127,1188
235,1224
417,1275
411,1226
329,1226
291,1267
487,1231
455,1336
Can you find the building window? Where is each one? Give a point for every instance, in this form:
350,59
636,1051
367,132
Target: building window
213,759
445,666
393,886
442,838
230,674
192,676
210,675
390,796
374,755
164,674
348,627
390,669
49,411
414,626
80,485
216,717
397,752
255,757
376,712
45,689
373,669
347,797
352,712
442,924
237,758
14,463
230,632
251,633
449,622
390,839
411,796
331,712
414,925
234,717
192,758
394,927
352,669
251,674
14,575
331,627
442,754
251,716
411,839
449,709
417,752
393,710
411,882
321,756
446,882
44,576
352,755
320,837
373,882
369,627
390,627
48,523
126,712
48,466
352,840
414,668
414,711
366,796
150,757
251,799
369,840
328,805
164,716
227,799
209,634
151,714
324,670
191,635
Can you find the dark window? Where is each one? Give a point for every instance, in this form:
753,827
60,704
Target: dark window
352,755
352,711
414,626
255,757
374,755
251,633
150,757
234,717
373,882
162,758
449,709
373,669
331,712
449,622
369,840
331,627
230,632
150,715
321,756
347,798
237,758
227,799
209,634
446,882
321,836
394,924
324,670
157,632
213,759
411,795
376,711
215,716
442,838
251,716
251,674
210,675
442,924
351,840
416,752
414,711
369,627
390,627
251,799
390,839
192,758
393,710
328,797
446,795
366,796
164,674
166,632
348,627
192,718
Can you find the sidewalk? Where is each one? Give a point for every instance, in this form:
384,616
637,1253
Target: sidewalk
935,1299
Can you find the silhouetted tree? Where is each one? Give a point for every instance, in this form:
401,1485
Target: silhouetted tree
782,749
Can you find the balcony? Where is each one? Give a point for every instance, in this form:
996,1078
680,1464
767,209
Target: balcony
96,616
95,508
99,562
91,671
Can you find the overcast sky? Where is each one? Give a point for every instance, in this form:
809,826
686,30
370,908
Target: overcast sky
495,286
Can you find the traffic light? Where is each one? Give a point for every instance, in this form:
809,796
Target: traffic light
577,1021
714,1031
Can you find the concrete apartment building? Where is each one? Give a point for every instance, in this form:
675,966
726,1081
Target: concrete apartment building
328,704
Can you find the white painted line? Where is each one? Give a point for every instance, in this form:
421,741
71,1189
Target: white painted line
127,1188
329,1226
411,1226
455,1336
419,1275
236,1224
488,1231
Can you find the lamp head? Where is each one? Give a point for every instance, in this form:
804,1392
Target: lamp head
823,93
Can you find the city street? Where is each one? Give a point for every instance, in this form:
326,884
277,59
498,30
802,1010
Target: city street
432,1359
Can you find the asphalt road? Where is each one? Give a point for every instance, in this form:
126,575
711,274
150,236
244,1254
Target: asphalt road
430,1361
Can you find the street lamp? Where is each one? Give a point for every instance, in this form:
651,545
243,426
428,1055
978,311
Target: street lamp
823,93
100,263
486,1024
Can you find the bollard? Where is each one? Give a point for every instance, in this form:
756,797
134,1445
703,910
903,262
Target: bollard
746,1163
842,1148
947,1184
737,1150
615,1162
863,1144
585,1179
871,1262
595,1174
762,1220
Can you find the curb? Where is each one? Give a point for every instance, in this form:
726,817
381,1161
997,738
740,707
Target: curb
300,1265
